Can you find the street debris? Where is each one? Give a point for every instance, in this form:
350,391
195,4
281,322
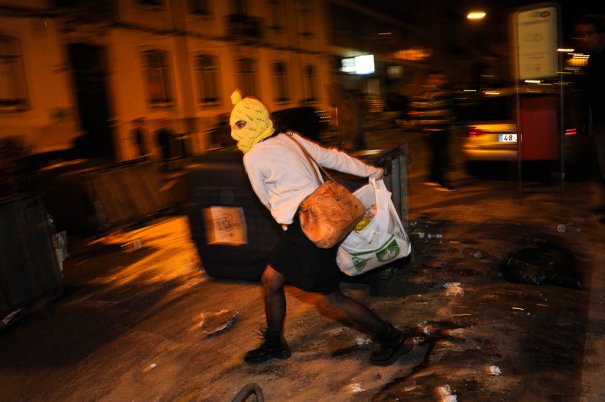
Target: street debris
7,320
149,367
540,262
216,323
445,394
494,370
249,390
363,340
353,388
136,244
453,289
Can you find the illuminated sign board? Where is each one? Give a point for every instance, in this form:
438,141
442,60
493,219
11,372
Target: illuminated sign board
536,34
358,65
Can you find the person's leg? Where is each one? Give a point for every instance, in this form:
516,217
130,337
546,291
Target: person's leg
435,157
598,131
356,312
389,342
275,299
274,345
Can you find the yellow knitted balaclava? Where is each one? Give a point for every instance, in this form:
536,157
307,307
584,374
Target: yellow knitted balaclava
258,124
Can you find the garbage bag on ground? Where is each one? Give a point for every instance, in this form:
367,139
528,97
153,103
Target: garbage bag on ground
541,262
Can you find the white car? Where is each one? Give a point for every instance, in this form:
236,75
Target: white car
491,135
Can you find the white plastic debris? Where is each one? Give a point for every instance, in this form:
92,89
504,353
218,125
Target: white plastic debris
353,388
149,367
561,228
363,340
445,394
494,370
6,320
214,323
453,289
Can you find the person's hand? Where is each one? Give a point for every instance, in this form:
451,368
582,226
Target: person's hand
378,174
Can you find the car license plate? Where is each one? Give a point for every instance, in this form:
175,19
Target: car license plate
507,137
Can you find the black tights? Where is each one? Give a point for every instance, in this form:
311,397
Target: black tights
275,305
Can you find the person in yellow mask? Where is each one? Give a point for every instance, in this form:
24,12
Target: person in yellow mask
282,178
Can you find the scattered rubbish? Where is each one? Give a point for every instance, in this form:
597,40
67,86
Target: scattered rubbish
424,327
462,315
6,320
540,262
541,305
445,394
353,388
136,244
494,370
249,390
363,340
60,244
519,308
149,367
215,323
561,228
453,289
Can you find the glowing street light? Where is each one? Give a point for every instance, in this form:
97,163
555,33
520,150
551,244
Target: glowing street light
475,15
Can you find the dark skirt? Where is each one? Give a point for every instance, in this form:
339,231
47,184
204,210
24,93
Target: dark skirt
303,264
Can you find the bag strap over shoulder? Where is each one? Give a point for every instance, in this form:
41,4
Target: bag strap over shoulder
324,173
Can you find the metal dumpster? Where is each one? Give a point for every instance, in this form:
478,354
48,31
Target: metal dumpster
29,269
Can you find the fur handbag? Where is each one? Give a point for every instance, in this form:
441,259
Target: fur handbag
328,214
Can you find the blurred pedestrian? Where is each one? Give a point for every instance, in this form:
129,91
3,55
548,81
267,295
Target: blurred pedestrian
220,134
432,111
349,117
282,177
138,136
589,33
164,137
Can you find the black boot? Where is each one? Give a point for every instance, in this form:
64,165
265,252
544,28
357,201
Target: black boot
388,346
273,347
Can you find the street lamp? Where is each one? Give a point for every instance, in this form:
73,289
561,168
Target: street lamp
475,15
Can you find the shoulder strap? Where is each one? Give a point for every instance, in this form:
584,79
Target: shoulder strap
312,161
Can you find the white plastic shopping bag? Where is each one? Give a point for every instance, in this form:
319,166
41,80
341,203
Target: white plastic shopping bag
383,239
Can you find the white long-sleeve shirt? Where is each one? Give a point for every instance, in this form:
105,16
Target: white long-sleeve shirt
282,176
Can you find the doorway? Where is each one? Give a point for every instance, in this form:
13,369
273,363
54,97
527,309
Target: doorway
90,81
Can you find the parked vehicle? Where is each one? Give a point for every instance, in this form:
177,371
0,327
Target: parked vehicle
492,135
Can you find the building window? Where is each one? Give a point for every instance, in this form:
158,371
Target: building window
247,76
310,84
158,77
240,7
208,78
280,74
13,94
154,3
277,15
305,20
199,7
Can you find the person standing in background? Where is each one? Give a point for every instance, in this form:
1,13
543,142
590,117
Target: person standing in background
164,137
432,111
589,34
349,117
138,136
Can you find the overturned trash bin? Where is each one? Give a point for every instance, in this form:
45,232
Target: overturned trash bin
539,263
233,232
